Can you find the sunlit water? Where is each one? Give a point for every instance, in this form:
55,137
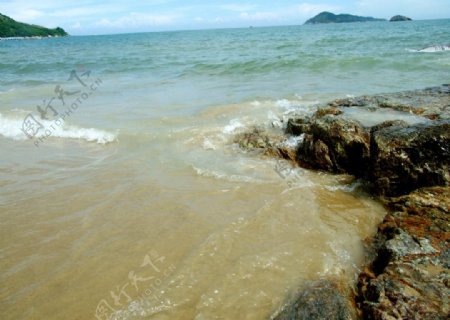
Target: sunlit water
134,202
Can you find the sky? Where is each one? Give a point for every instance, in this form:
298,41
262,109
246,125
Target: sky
82,17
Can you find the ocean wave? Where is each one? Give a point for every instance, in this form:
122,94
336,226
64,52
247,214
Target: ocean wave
244,67
232,126
12,128
432,49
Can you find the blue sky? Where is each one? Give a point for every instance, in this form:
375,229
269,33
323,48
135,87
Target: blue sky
113,16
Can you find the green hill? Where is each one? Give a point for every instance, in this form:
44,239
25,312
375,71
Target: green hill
11,28
328,17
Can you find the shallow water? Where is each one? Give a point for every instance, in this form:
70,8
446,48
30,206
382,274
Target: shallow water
140,203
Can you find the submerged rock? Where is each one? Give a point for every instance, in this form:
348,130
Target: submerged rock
409,277
259,140
317,301
255,138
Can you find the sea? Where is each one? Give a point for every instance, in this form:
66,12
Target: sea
123,194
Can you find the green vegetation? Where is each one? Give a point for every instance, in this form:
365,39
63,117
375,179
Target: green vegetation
400,18
12,28
328,17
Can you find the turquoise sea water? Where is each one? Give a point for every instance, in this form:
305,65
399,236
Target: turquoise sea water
217,66
146,163
167,73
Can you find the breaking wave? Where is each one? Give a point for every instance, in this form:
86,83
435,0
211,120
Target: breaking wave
12,128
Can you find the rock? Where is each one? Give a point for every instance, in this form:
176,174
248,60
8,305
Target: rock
396,157
404,158
298,126
317,301
409,277
255,138
336,145
259,140
431,102
324,111
400,18
351,102
314,154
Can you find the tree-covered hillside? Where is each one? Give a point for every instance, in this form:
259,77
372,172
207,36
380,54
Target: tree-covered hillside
11,28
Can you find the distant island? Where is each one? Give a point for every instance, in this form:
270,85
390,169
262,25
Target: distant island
11,28
399,18
328,17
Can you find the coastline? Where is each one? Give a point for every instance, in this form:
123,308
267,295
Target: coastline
32,37
403,155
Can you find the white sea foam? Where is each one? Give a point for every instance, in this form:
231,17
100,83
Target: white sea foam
284,103
12,128
208,145
221,175
232,126
275,120
293,141
431,49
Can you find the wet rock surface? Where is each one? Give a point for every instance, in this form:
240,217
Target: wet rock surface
335,144
433,102
405,158
409,276
317,301
397,156
266,143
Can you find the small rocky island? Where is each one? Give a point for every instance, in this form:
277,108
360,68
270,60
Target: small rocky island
10,28
399,18
399,144
328,17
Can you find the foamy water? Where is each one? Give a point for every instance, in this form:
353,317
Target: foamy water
134,202
12,128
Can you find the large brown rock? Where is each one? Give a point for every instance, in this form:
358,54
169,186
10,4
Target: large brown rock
409,277
405,158
337,145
